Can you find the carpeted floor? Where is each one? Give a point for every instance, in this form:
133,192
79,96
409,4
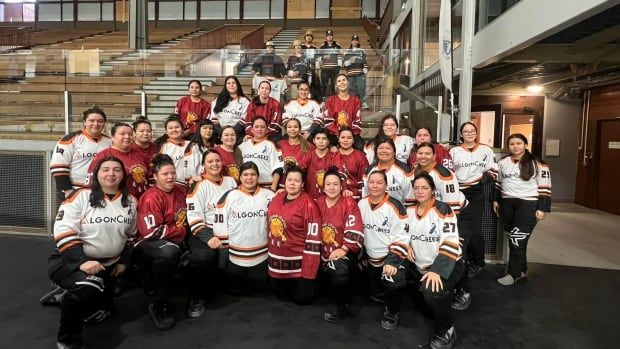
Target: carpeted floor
557,307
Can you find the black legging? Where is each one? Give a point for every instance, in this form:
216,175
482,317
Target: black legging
202,260
338,273
519,219
475,196
160,258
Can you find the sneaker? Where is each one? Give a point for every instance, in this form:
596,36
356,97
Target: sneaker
160,315
97,316
335,315
461,300
196,307
506,280
53,297
474,270
389,321
365,106
445,340
73,345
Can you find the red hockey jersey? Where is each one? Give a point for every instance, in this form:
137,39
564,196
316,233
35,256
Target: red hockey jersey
137,171
162,215
294,241
339,113
147,153
271,111
292,153
442,157
315,168
342,226
191,113
230,167
353,166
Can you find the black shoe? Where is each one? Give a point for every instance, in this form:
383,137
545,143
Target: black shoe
335,315
461,300
196,307
53,297
74,344
444,340
160,315
97,316
389,321
474,270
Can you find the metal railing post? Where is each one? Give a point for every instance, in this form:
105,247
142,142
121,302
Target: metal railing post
143,104
68,111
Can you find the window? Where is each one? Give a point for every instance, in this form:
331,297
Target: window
169,11
49,12
233,9
256,9
190,10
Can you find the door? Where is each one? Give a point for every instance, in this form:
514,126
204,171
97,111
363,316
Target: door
607,166
300,9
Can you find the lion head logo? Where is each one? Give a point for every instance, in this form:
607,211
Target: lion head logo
328,235
320,178
191,117
138,174
180,218
290,161
343,119
233,171
276,230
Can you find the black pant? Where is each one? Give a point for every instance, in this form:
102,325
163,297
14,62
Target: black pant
376,288
160,260
358,141
85,295
475,196
299,290
519,219
466,222
328,81
438,302
338,273
242,280
202,260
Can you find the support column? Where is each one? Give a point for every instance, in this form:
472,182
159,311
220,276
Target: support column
466,76
138,25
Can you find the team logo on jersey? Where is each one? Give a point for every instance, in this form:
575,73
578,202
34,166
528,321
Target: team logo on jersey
60,215
343,119
191,117
276,230
320,178
290,161
328,235
432,230
233,171
59,150
138,173
385,221
179,219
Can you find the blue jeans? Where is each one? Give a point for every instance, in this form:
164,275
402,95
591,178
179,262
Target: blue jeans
357,86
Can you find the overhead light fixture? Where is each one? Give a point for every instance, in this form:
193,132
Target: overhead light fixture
534,88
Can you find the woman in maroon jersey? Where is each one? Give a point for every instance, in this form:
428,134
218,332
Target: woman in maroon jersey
294,146
442,156
344,110
136,169
350,162
231,155
294,241
316,162
267,107
161,231
143,139
192,108
342,238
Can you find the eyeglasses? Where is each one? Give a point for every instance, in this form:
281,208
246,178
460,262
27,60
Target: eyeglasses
469,132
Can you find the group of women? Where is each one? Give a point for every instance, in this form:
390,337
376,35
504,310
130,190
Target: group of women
278,215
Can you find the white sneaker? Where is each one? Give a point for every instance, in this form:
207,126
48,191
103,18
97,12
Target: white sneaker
365,106
506,280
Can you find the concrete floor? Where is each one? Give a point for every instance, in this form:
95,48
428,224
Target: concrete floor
577,236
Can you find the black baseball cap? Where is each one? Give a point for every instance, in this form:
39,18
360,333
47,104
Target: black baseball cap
329,32
355,37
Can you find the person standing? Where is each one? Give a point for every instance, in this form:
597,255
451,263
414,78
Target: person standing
298,69
357,69
267,107
330,59
310,51
192,108
344,110
230,107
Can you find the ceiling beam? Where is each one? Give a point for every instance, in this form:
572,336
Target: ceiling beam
596,39
557,53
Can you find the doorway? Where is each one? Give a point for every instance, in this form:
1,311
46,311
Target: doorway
300,9
608,150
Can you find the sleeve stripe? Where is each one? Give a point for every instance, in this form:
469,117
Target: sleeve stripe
449,255
450,244
451,250
68,246
64,234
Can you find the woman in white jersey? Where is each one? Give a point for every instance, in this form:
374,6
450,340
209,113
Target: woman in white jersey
524,183
389,128
230,107
264,153
173,145
304,109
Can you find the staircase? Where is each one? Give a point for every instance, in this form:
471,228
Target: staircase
109,65
283,41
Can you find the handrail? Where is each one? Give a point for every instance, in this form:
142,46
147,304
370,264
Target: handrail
372,29
386,20
14,37
226,35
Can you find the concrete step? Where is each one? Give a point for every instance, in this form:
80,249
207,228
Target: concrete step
169,103
165,87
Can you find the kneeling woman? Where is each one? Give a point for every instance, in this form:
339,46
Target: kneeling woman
294,241
240,225
88,257
161,231
342,237
203,245
432,257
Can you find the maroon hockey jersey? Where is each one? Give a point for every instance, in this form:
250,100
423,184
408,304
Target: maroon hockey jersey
137,170
342,226
191,113
162,215
271,111
315,168
230,167
147,153
442,157
294,240
339,113
353,166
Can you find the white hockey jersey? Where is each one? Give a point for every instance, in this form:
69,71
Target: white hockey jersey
399,178
176,151
101,233
447,188
232,114
404,145
307,114
385,229
510,184
266,155
192,161
202,202
471,164
278,86
72,157
241,224
434,238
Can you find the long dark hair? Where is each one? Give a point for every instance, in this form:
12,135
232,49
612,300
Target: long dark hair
197,138
236,150
528,163
224,97
304,144
164,138
97,196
